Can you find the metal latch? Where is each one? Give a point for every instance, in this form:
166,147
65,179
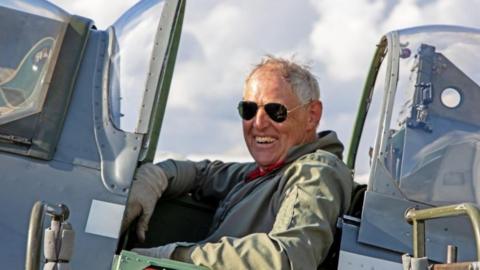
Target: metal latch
58,238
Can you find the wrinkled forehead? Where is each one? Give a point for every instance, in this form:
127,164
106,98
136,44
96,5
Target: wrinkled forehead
269,86
272,69
269,78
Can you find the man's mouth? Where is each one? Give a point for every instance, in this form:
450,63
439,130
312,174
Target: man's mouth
264,139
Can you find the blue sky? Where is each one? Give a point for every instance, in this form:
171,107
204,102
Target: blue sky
222,40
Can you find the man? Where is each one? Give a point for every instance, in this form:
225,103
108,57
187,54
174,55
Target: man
277,213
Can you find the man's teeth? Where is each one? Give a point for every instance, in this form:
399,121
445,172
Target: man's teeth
264,139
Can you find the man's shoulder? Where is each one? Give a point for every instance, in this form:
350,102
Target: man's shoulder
320,162
319,167
321,158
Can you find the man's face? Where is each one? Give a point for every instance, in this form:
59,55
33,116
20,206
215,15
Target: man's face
267,140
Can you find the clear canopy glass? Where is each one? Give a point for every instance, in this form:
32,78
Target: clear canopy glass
431,146
40,8
132,41
29,35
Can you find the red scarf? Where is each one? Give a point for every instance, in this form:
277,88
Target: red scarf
258,172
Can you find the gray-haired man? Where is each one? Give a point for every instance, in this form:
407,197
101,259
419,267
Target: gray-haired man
276,213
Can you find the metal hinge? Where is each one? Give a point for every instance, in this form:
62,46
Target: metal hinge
16,139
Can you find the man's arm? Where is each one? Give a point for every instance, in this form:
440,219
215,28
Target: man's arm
317,192
205,179
173,178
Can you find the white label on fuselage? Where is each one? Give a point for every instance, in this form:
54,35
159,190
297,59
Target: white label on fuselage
105,219
352,261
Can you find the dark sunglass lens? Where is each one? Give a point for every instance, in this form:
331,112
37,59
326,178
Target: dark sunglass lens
247,109
276,111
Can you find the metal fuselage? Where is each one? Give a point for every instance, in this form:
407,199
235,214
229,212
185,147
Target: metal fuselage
72,151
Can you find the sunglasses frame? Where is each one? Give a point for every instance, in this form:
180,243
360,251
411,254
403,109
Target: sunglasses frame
278,116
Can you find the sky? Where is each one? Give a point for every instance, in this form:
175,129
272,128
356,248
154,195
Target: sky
223,40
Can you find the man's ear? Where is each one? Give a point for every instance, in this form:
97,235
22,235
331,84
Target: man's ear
315,110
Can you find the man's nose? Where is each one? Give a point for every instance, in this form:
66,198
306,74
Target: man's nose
261,120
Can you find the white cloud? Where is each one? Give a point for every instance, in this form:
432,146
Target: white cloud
344,36
104,13
457,12
398,18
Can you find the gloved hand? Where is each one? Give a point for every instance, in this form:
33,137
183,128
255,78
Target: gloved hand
148,186
161,252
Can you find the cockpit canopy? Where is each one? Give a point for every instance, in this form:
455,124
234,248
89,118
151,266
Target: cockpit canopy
31,34
430,146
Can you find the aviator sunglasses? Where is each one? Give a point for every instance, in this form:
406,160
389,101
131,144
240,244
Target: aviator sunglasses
276,111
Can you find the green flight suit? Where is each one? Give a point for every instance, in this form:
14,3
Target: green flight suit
283,220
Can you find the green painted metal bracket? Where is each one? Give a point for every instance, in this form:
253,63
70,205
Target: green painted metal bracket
365,102
163,89
128,260
418,217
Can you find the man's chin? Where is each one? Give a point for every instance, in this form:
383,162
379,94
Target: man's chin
265,157
264,162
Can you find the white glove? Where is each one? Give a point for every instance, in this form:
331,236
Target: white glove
161,252
148,185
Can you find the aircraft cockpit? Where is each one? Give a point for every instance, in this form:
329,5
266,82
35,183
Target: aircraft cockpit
431,148
427,147
80,109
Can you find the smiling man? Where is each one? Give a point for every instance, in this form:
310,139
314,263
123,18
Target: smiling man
276,213
267,132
